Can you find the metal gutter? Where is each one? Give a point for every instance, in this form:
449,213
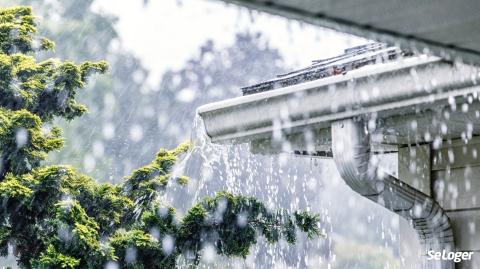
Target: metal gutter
385,89
409,88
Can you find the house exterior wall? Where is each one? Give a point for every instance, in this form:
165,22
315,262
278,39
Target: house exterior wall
451,175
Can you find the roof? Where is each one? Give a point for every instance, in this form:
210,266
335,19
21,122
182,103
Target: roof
447,28
353,58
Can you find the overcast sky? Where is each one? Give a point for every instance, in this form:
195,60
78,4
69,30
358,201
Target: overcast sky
166,33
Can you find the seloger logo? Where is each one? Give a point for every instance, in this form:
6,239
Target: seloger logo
450,255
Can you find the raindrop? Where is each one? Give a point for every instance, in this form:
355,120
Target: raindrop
108,130
446,115
162,212
89,163
109,101
437,142
444,128
155,233
312,184
427,136
186,95
98,149
453,104
136,133
277,131
168,244
209,253
451,156
371,125
64,233
112,265
131,255
242,220
162,120
468,185
472,227
413,125
21,137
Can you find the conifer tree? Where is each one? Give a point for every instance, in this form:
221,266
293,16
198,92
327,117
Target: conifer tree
55,217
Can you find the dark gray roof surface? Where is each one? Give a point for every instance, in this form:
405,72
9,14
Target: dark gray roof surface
353,58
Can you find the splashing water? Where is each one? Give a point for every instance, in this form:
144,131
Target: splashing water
284,181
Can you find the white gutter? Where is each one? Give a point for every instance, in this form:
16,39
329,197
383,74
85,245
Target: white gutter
381,88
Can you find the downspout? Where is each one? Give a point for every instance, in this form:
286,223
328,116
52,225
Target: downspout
352,156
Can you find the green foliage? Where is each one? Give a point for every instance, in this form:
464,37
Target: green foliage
55,217
146,183
4,236
46,89
17,27
51,258
231,224
23,142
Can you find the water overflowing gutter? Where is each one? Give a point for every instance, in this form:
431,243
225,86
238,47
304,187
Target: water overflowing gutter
339,106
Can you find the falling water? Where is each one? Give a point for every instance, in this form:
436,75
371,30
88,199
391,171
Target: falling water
286,181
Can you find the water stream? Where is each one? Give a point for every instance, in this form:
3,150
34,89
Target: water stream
285,181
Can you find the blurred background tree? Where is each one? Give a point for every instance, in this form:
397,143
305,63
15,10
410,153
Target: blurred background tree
54,217
128,117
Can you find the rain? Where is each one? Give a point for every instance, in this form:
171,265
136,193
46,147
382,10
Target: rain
242,86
